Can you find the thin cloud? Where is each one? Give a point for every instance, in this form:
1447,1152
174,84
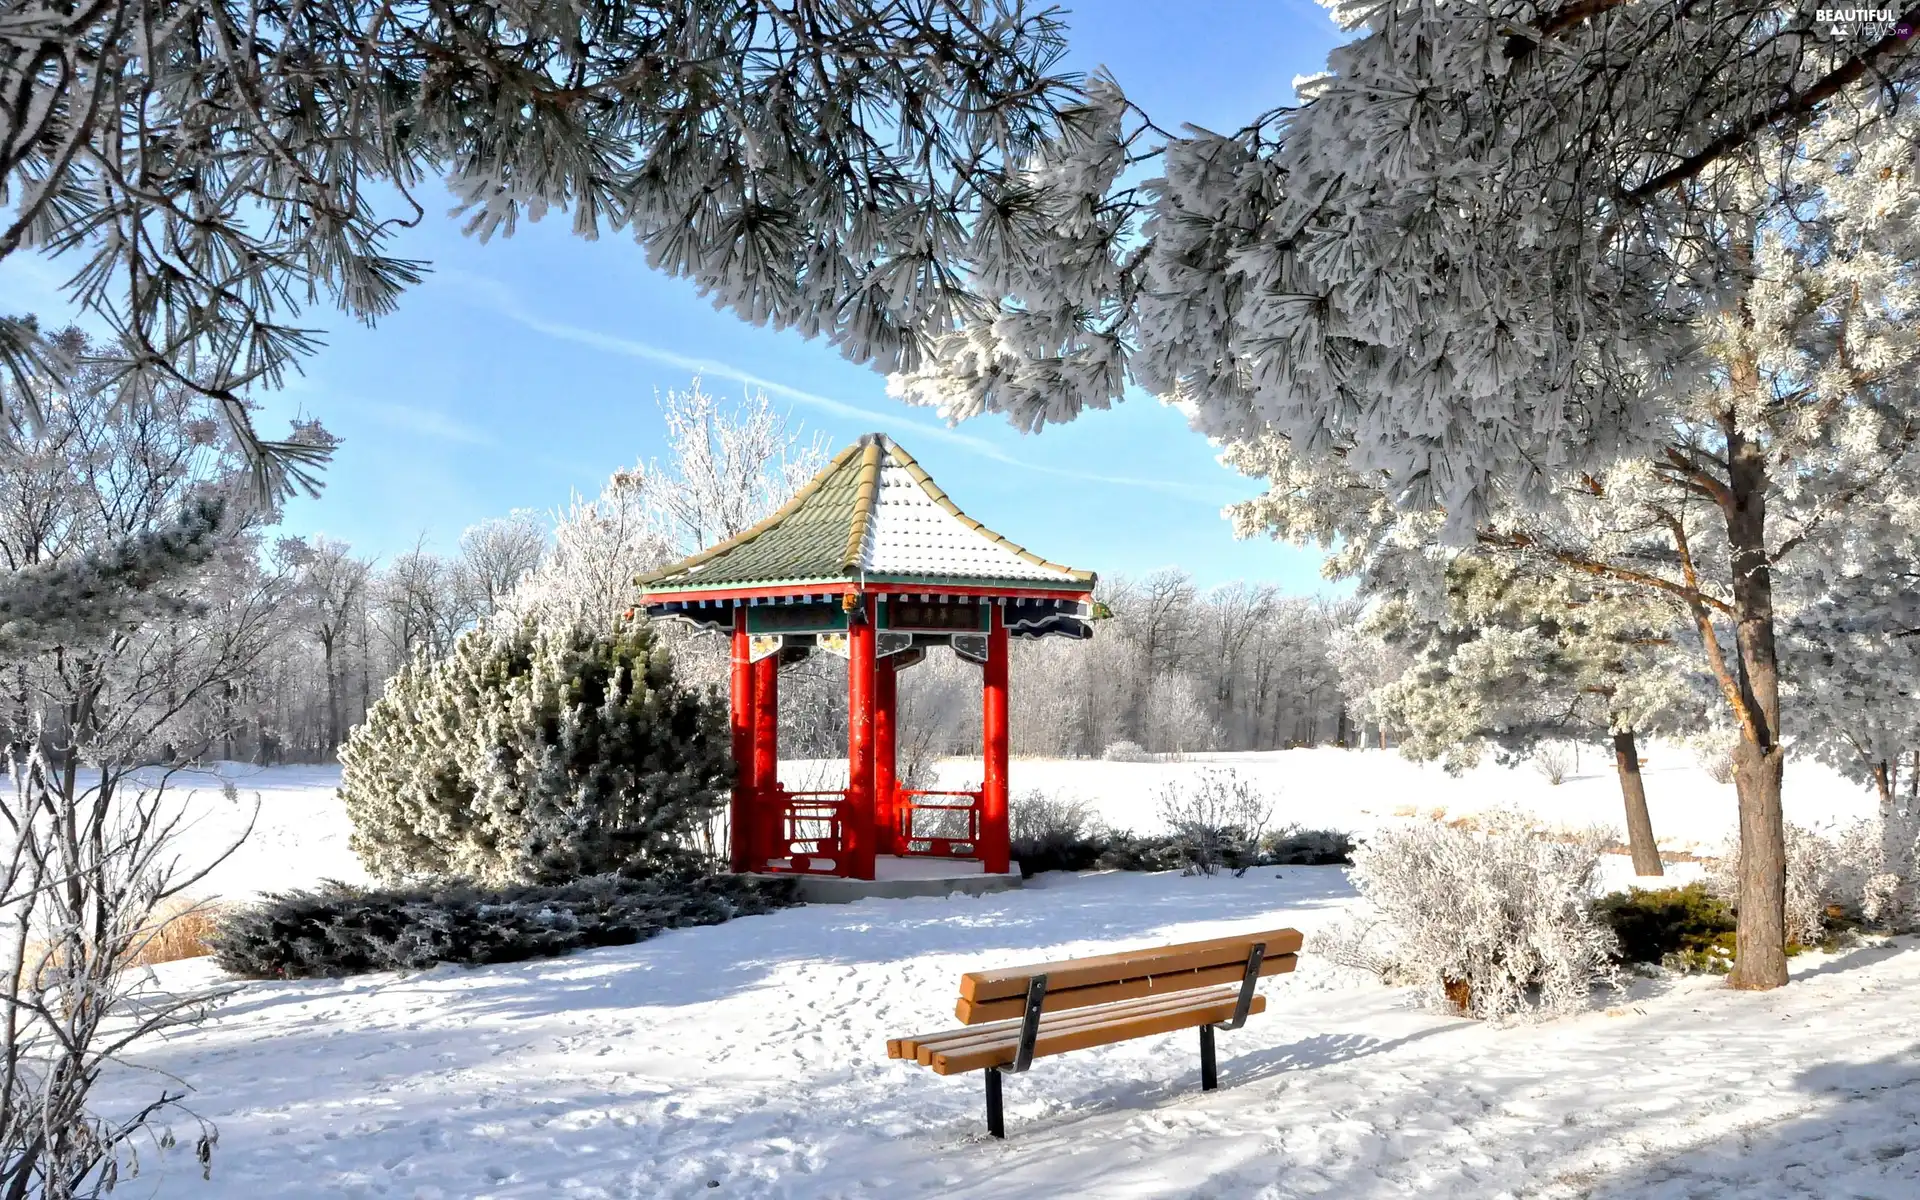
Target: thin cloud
427,423
502,300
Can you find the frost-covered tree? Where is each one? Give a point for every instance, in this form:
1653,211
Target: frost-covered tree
727,467
1496,250
1516,661
496,555
1365,663
1850,650
206,166
331,591
535,753
134,599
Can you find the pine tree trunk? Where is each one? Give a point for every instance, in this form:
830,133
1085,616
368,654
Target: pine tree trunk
1883,787
1626,760
1896,841
1760,942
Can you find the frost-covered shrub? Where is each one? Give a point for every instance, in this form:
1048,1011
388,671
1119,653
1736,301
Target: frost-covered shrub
342,930
1553,760
534,753
1215,819
1873,870
1053,833
1676,926
1124,751
1297,847
1815,881
1716,759
1124,850
1495,921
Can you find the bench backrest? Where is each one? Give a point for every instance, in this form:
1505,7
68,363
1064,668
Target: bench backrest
1105,978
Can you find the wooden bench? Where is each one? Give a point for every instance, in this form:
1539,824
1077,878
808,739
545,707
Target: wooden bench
1011,1016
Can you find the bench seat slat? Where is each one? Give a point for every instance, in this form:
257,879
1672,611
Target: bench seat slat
921,1047
973,1012
1005,982
1089,1034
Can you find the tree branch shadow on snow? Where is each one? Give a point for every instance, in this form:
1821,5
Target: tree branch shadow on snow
1861,1137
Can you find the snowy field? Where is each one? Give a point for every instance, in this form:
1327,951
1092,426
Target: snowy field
749,1059
300,832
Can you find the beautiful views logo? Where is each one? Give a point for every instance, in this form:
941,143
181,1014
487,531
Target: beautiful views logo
1856,22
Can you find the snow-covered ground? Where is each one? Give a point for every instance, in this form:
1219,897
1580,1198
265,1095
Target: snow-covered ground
749,1059
300,833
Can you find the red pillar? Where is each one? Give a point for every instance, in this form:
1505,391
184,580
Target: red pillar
886,801
740,815
994,848
769,816
857,816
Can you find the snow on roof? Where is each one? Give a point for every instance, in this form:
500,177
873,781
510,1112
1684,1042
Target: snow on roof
872,515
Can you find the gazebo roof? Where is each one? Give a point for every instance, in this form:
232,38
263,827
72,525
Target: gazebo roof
871,516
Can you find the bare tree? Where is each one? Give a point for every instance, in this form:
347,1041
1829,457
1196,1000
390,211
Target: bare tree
108,702
496,555
332,587
727,468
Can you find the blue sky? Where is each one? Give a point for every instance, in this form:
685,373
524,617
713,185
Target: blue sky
526,369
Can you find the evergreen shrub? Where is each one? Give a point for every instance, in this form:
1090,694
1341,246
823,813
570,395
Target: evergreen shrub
1051,833
1686,928
1054,834
342,930
535,753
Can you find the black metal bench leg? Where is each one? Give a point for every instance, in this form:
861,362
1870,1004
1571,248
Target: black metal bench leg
1209,1071
996,1121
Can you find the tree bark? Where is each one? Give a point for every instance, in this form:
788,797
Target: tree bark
1760,943
1896,820
1626,760
1883,786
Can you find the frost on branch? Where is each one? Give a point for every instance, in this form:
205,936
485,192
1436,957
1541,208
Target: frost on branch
1502,909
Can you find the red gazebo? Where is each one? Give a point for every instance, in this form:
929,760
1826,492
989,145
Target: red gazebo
872,562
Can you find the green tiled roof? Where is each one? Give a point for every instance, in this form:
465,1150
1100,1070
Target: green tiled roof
872,515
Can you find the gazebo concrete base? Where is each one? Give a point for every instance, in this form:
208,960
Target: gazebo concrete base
900,878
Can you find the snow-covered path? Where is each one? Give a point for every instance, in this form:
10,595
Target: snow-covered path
749,1060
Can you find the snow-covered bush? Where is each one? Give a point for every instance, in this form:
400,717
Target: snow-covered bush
1297,847
1494,922
1554,760
1716,759
1814,878
1125,751
1053,833
1871,874
1862,874
1216,819
342,930
534,753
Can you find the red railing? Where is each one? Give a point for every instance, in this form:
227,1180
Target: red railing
809,832
944,825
